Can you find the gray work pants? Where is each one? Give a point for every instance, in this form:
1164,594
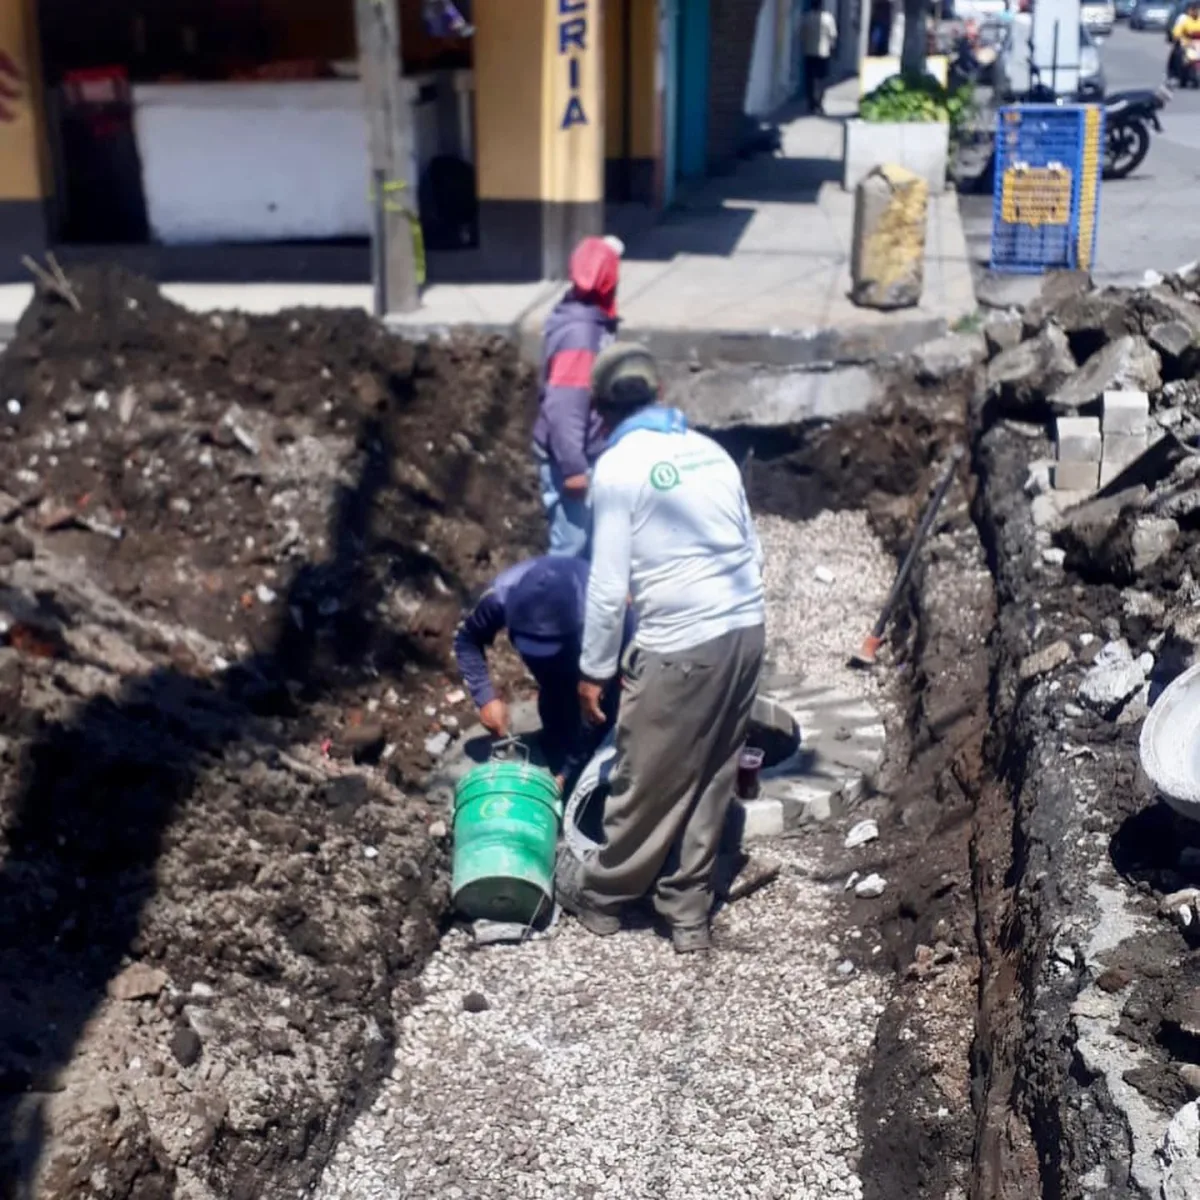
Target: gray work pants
681,725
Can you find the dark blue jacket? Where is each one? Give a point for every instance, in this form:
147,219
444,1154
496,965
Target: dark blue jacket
566,429
567,741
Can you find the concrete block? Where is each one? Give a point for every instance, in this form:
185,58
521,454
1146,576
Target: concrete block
1126,412
887,249
1110,470
922,147
1078,439
1076,476
1124,448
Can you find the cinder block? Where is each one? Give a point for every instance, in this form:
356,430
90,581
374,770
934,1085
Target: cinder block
1126,412
1076,476
1078,439
1110,470
1124,448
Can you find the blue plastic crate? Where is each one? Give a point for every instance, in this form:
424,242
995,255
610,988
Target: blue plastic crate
1048,162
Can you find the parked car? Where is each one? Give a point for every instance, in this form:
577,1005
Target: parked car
1098,16
1151,14
1124,9
1012,76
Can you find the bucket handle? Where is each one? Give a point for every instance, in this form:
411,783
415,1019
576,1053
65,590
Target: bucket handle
507,747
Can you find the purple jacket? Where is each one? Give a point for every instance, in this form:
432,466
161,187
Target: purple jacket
567,431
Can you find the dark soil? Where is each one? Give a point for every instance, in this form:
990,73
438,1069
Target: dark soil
235,550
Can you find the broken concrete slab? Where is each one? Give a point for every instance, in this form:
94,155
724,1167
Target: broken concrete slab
1002,331
1058,287
726,397
950,355
1127,363
1021,379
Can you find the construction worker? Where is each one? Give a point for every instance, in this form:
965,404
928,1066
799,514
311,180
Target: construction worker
567,436
540,602
672,529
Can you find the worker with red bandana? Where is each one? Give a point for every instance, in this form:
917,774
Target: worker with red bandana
567,437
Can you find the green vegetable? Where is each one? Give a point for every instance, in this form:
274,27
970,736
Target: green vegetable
920,98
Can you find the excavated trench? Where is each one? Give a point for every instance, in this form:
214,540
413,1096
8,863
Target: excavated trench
970,1091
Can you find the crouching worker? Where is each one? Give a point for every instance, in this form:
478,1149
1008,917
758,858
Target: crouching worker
540,603
673,529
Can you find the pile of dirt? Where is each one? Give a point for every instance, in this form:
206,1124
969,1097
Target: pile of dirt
235,550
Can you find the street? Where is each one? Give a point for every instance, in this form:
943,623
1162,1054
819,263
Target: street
1147,220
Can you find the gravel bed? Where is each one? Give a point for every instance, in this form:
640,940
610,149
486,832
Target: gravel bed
591,1068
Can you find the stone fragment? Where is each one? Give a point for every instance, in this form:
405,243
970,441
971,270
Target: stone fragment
861,834
1093,318
1174,341
888,246
1115,979
137,982
1128,362
1077,439
1002,331
1114,679
1058,287
475,1002
870,887
947,356
1180,1155
1151,540
186,1046
1048,659
1020,379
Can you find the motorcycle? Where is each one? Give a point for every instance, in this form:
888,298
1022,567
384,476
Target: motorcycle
1184,64
1128,118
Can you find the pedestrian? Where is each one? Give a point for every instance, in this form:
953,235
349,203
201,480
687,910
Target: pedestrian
673,530
540,602
567,437
1185,31
819,33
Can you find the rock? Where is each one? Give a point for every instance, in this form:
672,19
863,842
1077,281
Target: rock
861,834
1097,535
1049,659
888,246
1021,379
475,1002
1057,288
1127,363
137,982
1114,679
1179,1155
870,887
438,830
1038,481
438,744
1002,331
1054,556
1151,540
922,962
1174,342
1093,318
951,355
1115,979
186,1046
363,743
1190,1074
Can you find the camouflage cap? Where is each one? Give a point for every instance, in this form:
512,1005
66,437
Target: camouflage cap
622,360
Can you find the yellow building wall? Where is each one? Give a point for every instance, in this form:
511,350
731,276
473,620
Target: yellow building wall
539,115
643,48
24,172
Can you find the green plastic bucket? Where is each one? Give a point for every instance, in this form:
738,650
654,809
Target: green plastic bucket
506,820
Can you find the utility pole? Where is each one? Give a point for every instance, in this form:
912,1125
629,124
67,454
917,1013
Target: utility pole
397,251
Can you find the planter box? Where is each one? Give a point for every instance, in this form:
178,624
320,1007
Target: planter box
921,146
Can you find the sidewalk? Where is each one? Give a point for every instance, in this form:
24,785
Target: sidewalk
753,267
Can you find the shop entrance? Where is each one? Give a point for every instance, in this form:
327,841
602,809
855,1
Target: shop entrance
194,124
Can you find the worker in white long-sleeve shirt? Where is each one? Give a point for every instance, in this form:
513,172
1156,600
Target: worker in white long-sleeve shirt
673,530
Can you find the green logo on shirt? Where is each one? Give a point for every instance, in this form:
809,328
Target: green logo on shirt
664,476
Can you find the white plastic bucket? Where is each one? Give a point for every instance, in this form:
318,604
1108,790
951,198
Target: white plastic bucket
1170,744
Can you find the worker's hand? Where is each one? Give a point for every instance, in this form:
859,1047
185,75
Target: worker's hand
559,781
494,715
575,486
590,695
